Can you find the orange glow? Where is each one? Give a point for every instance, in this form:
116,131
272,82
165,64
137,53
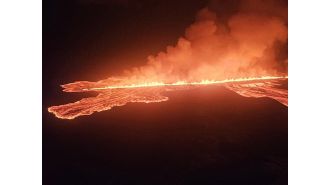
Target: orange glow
118,95
181,83
242,54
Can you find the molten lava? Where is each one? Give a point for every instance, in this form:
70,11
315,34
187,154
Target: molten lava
118,95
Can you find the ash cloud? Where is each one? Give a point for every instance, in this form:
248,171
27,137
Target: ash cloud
247,39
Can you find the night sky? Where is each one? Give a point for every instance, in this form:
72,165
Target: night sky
103,37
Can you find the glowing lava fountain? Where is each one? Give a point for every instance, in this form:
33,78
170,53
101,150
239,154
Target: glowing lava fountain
120,94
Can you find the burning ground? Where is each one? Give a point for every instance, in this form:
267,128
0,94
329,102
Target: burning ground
112,96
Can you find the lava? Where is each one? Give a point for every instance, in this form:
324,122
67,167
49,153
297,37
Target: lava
180,83
270,89
119,95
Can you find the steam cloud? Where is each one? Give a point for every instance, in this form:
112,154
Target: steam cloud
250,42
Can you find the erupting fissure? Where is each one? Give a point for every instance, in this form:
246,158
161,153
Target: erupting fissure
250,43
118,95
180,83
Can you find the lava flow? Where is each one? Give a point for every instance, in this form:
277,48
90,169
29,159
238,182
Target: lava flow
119,95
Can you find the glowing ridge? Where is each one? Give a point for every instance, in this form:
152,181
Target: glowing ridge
179,83
119,95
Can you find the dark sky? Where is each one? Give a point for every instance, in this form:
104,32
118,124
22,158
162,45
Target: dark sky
98,38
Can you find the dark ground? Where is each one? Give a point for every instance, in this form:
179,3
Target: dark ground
202,136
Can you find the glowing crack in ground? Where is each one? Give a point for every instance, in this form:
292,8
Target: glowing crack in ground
118,95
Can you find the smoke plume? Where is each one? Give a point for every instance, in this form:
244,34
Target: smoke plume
250,40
